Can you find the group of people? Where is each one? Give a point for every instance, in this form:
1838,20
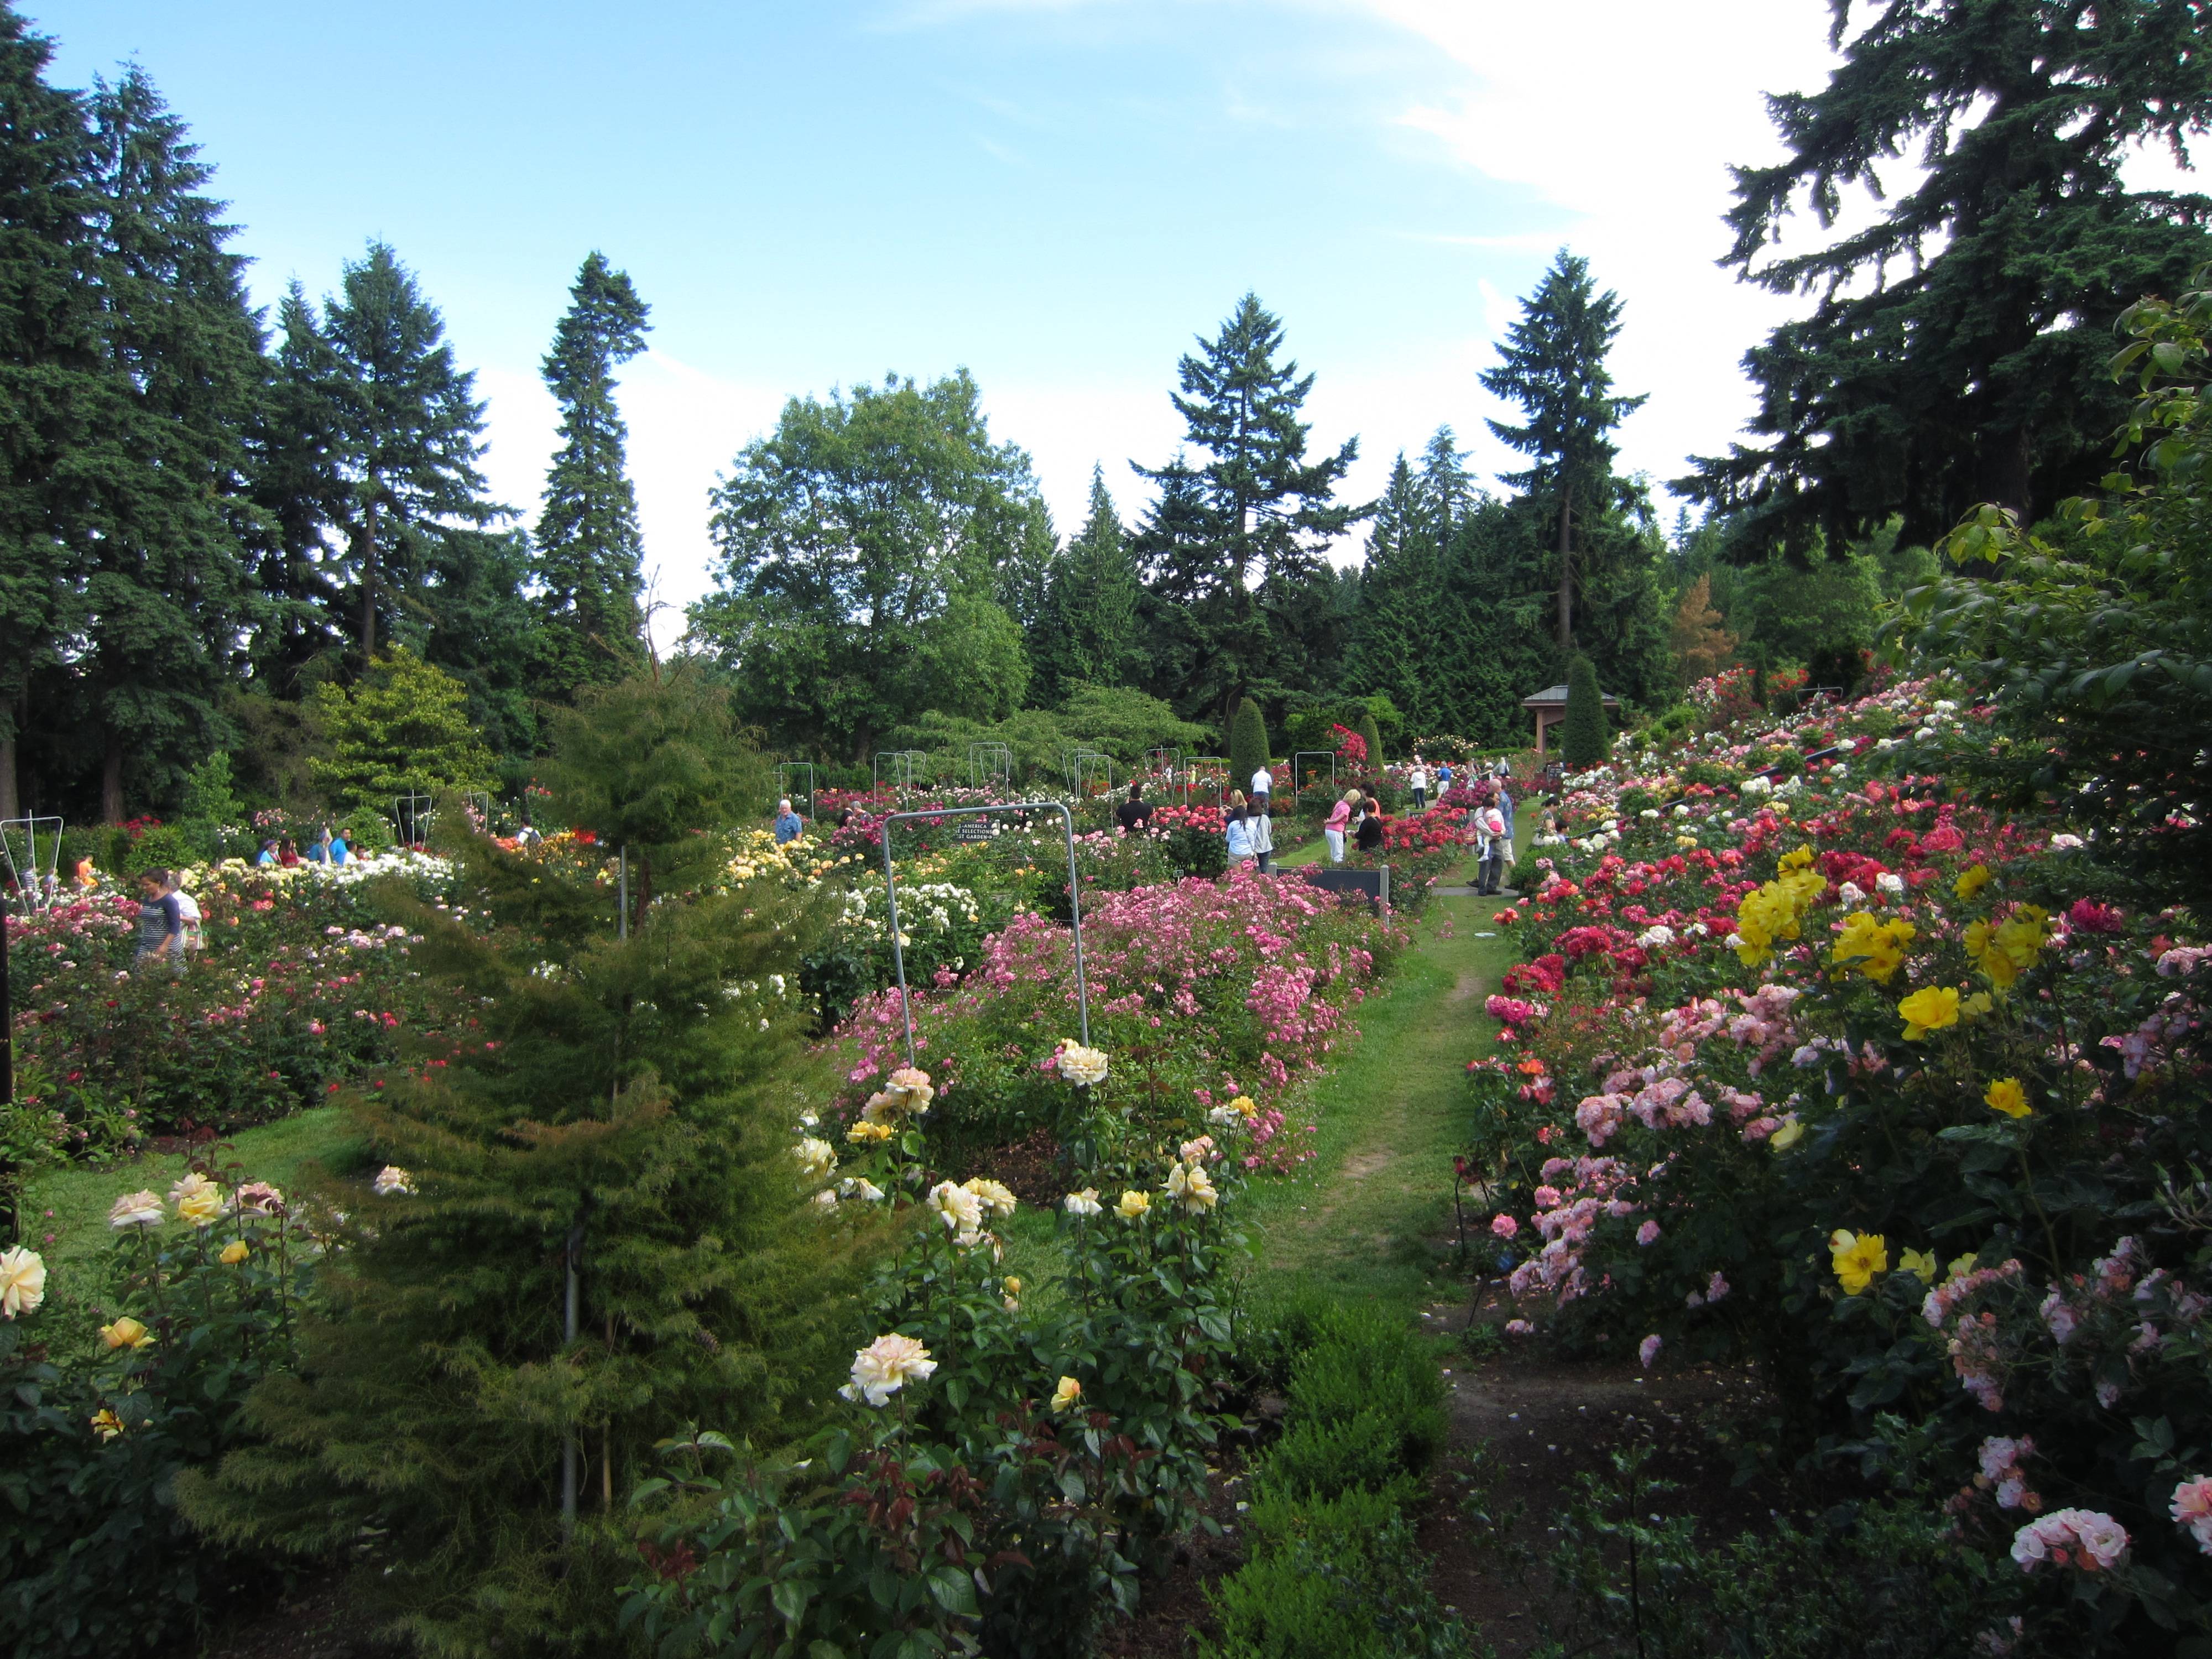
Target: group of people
168,920
329,847
1356,816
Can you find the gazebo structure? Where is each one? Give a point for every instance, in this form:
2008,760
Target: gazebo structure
1550,708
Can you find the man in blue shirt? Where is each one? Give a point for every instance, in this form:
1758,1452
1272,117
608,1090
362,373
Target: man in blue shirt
339,851
787,824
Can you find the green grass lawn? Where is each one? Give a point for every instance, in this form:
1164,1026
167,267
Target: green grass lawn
68,1208
1364,1219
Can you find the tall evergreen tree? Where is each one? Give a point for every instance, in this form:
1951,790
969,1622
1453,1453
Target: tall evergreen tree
299,443
1554,365
1087,630
1397,600
589,555
161,562
1953,354
407,433
1248,564
49,370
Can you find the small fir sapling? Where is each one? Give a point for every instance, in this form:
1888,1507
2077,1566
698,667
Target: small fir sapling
641,1091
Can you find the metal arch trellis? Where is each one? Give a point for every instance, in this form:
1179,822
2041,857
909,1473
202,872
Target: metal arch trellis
411,815
1165,763
1199,769
785,770
901,769
1328,755
989,763
1079,766
34,885
1074,900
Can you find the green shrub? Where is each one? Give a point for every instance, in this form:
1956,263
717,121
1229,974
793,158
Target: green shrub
1247,744
160,846
1373,733
94,1559
1714,775
366,830
1344,1581
1581,733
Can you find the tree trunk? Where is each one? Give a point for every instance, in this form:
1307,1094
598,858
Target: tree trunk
111,782
1566,581
368,573
11,803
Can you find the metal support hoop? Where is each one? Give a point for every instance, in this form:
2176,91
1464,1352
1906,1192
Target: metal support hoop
989,763
31,882
901,769
1080,763
412,812
783,785
1328,755
1196,771
1074,901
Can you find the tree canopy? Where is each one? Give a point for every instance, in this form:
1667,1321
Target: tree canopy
1952,352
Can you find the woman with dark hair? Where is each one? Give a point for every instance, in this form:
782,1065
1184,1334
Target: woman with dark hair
1238,832
160,922
1369,838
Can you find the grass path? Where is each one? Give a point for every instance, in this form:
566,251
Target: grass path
1363,1218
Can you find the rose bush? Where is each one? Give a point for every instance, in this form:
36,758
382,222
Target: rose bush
1871,1082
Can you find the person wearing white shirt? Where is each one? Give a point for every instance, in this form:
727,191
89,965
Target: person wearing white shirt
1263,783
1418,781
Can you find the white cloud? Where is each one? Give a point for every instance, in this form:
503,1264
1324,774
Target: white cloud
1626,116
686,426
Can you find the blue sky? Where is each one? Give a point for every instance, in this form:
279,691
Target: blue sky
1055,193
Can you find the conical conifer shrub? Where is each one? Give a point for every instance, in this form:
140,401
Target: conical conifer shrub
634,1099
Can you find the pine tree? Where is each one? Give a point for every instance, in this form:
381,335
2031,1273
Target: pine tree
1582,733
160,558
1247,742
1701,642
298,442
49,373
621,1105
589,556
1249,568
1955,352
1394,611
408,431
1086,631
403,728
1554,365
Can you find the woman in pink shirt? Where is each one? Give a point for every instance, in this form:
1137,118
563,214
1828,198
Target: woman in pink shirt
1332,827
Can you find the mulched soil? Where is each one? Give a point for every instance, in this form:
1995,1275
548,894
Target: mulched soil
310,1621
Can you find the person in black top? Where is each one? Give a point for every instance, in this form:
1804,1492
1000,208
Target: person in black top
1370,838
1134,812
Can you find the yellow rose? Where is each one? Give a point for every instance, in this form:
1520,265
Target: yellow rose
1857,1257
2006,1096
1959,1266
1972,882
1133,1204
126,1333
1930,1010
1064,1397
1921,1264
1995,962
106,1424
1787,1136
864,1132
1013,1285
234,1252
